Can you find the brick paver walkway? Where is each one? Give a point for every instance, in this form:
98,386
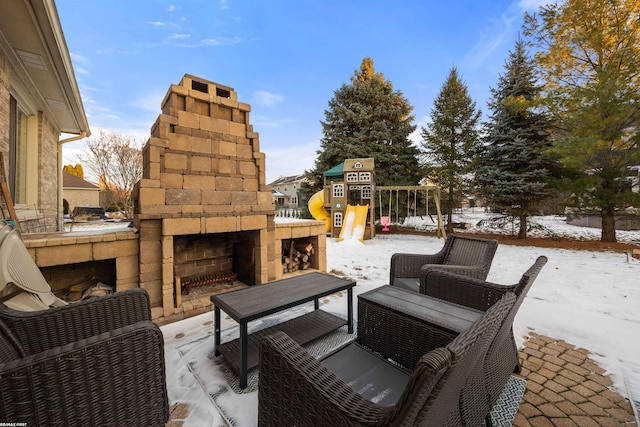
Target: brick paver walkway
564,389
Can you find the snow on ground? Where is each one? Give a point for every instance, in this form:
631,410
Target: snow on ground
589,299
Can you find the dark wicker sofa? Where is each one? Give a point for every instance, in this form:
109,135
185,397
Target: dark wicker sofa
297,389
470,256
94,362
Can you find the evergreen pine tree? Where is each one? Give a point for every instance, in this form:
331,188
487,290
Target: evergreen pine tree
451,139
516,170
367,118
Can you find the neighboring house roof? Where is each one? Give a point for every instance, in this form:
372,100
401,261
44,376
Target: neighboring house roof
71,181
288,179
32,39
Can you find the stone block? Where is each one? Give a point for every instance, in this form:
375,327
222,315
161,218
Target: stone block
265,200
127,268
153,171
182,130
167,248
244,152
200,164
237,129
151,197
150,252
188,119
180,226
214,197
226,148
171,180
282,233
183,197
53,255
226,183
252,184
208,124
119,248
224,224
299,232
159,142
244,106
201,145
243,198
149,183
175,161
228,102
219,125
253,222
226,166
191,210
247,168
179,142
199,182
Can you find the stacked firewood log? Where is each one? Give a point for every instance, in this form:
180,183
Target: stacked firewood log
298,257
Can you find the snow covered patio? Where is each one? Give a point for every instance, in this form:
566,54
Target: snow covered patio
576,330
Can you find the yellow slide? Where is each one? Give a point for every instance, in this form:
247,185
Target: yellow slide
316,209
355,221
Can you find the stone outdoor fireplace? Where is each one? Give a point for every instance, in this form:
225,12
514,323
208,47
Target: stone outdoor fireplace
203,208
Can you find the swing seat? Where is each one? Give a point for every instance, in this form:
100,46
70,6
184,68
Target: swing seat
385,221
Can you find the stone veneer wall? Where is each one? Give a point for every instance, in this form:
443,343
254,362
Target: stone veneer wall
203,173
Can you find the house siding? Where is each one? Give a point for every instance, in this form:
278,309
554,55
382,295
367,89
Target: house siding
5,76
49,204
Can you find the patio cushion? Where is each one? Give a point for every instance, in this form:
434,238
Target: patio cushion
370,375
408,283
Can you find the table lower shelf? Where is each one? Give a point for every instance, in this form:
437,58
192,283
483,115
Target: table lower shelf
302,329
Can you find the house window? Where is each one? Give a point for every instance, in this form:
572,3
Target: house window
22,149
365,191
365,176
352,176
338,190
337,219
294,200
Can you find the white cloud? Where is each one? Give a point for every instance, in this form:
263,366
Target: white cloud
80,70
157,23
268,99
79,58
179,36
172,8
149,102
491,39
221,41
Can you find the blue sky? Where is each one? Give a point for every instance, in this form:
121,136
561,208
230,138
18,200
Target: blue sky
284,57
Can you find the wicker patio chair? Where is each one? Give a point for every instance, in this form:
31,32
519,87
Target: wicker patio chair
502,357
71,369
297,389
78,320
470,256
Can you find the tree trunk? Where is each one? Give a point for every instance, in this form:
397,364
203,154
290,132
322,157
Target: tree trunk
522,233
608,225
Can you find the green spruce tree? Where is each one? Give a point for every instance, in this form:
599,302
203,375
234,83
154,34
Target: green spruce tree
451,139
516,168
367,118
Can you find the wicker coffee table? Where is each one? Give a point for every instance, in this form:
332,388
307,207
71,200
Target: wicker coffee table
259,301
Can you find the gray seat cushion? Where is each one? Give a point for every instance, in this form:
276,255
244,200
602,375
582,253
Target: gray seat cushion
408,283
369,375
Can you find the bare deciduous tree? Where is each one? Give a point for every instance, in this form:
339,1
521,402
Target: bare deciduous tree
117,161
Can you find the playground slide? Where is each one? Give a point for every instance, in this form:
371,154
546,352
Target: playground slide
355,221
316,209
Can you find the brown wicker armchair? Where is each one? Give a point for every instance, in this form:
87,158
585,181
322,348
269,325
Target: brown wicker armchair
470,256
297,389
95,362
502,357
